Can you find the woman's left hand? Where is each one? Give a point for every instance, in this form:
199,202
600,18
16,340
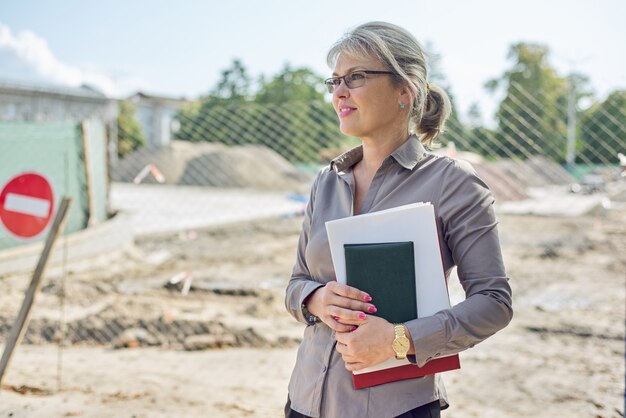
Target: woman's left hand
367,345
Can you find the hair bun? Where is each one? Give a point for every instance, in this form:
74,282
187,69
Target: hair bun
436,110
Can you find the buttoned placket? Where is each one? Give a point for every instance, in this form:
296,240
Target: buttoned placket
348,178
317,396
370,197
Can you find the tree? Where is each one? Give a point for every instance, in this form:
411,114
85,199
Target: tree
308,124
532,116
603,130
130,136
234,84
212,118
293,85
288,114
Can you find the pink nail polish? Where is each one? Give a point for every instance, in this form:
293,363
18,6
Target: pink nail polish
362,315
353,329
367,298
336,318
372,309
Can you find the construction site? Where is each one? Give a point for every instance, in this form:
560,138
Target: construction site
186,308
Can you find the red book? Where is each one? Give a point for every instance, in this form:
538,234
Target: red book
403,372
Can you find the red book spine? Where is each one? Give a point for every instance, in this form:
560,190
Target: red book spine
408,371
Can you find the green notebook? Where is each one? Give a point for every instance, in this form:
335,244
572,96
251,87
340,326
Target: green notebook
386,271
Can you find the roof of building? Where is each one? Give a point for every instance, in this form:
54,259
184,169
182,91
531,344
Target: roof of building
84,91
157,98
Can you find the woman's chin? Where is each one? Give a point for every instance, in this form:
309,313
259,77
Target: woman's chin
349,130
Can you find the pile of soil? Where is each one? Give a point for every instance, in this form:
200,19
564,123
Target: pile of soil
215,165
510,179
534,172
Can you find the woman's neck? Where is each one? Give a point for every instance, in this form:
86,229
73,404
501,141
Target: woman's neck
375,150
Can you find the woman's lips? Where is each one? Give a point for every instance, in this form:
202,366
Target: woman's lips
345,111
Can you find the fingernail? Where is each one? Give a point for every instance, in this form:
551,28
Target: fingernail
362,315
353,329
372,309
367,298
336,318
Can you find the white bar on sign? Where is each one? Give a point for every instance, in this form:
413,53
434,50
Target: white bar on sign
27,205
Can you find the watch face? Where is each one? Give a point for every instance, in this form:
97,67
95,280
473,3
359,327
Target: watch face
401,345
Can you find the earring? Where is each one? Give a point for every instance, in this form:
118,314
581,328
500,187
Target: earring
402,105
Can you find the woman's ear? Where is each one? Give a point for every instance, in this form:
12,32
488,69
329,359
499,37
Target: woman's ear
405,95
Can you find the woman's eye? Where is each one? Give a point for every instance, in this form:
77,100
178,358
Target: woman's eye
357,76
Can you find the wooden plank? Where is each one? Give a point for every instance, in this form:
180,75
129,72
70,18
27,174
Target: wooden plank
21,323
91,208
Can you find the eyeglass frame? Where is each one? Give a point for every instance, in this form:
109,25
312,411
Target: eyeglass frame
330,82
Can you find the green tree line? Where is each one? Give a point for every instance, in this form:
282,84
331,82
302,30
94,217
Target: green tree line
287,113
532,118
290,113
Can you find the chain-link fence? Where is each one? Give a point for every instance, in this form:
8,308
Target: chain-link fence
538,141
190,275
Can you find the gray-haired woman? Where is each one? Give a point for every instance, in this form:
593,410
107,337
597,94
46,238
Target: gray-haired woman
381,95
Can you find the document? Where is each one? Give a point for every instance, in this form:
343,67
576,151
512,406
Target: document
414,223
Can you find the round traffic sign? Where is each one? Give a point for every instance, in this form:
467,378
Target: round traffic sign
26,204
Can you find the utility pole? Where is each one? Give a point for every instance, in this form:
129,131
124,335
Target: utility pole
570,156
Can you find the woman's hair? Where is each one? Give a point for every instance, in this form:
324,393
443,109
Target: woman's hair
401,53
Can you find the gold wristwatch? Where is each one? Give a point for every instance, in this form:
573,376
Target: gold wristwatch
401,343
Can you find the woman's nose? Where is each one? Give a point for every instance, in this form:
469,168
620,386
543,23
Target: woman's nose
342,91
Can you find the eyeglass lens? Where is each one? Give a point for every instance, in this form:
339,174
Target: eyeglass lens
352,80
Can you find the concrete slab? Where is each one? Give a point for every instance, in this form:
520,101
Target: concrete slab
553,201
110,236
163,208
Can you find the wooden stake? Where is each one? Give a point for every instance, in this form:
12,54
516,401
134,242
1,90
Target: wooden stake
91,209
21,323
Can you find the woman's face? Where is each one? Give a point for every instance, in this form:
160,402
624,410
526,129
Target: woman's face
372,110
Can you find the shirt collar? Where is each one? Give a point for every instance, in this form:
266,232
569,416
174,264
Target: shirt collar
407,155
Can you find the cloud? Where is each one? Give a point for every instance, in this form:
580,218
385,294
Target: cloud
26,55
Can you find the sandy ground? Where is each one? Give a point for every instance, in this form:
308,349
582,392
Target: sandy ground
562,356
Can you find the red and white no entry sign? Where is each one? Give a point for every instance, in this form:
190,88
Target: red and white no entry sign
26,204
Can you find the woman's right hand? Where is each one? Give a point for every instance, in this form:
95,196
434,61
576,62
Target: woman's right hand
340,306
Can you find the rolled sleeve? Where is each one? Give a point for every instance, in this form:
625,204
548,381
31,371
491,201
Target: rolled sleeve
469,230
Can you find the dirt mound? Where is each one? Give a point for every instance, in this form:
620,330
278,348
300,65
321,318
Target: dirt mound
534,172
216,165
503,186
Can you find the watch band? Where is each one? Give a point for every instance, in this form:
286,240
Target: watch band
399,330
308,316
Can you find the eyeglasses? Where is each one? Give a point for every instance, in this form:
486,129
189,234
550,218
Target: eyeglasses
352,80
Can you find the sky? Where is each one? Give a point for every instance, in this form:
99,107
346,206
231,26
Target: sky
178,48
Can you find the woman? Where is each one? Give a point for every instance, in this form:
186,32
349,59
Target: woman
381,96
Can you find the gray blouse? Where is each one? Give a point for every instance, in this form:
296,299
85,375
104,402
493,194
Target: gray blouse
320,386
